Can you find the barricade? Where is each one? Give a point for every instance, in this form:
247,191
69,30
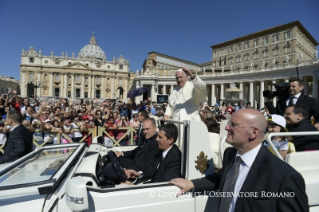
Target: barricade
130,131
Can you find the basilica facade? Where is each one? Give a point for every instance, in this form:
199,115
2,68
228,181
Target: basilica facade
86,75
247,65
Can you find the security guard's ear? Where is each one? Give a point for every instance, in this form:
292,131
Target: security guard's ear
254,132
171,141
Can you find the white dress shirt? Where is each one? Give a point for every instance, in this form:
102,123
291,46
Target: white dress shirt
247,160
295,99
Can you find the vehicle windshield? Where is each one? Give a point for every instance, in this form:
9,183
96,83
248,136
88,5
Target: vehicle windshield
38,168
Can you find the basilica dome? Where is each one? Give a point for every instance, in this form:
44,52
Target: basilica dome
92,50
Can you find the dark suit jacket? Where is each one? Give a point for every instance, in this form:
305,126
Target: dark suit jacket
18,144
140,136
169,168
267,174
310,104
144,156
304,142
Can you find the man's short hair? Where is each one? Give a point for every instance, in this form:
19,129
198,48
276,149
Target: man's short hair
151,120
299,109
144,114
212,125
16,116
26,107
295,79
170,130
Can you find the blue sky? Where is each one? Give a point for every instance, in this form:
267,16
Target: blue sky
180,28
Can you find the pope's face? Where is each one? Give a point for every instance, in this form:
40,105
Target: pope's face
181,78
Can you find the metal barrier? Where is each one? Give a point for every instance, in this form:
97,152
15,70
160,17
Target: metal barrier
130,131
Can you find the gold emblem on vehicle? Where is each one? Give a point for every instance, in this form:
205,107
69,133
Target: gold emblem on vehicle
201,162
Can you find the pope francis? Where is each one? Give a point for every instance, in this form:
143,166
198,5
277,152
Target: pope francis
185,98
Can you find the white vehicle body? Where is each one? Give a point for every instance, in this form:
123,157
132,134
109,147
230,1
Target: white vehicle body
64,178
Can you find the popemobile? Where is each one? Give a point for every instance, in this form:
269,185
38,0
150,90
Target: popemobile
73,177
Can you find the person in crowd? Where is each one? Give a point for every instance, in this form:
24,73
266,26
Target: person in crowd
168,161
28,113
142,115
240,105
248,105
44,116
142,158
120,133
98,118
153,109
207,114
19,142
296,118
25,102
296,97
56,128
48,135
36,128
67,130
228,113
277,123
212,125
185,98
135,122
249,167
110,127
78,128
117,119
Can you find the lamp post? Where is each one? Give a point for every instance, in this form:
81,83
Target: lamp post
36,85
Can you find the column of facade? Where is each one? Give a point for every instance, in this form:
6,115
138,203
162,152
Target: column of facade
51,83
39,80
164,89
82,85
61,78
23,83
315,85
241,94
92,86
306,85
113,90
213,96
89,87
72,86
261,97
126,87
251,93
103,92
65,76
172,88
153,92
222,98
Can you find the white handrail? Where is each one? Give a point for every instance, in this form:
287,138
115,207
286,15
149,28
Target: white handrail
268,139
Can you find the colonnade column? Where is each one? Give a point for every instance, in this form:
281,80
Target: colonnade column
213,96
152,92
261,97
164,89
89,87
72,86
83,85
222,98
315,85
92,87
51,93
172,88
103,87
241,94
65,85
251,93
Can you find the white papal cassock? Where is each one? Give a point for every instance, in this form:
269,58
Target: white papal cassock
183,103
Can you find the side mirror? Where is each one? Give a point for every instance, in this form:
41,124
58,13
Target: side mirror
76,194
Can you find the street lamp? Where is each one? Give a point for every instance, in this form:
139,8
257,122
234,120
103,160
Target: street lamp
36,85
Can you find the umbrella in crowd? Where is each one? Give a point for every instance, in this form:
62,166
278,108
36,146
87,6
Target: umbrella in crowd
137,92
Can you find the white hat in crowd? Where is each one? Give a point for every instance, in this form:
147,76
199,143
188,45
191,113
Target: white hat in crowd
278,119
